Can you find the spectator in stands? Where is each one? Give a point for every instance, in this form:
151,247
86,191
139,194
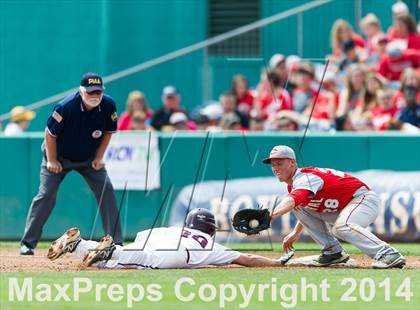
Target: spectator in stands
405,31
327,100
410,77
285,121
344,123
379,50
342,31
271,97
292,65
325,106
385,111
411,112
136,101
256,123
244,97
278,67
19,121
231,121
138,121
171,104
210,117
354,90
398,8
304,92
362,115
349,55
396,124
395,61
371,27
201,121
179,121
228,103
374,82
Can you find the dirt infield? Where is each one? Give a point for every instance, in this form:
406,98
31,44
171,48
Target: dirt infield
11,261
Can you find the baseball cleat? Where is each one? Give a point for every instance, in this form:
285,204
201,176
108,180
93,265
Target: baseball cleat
392,260
67,243
103,251
330,259
25,250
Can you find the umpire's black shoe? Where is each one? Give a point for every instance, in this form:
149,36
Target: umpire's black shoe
25,250
329,259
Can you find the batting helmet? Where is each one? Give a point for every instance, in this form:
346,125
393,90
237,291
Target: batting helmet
201,219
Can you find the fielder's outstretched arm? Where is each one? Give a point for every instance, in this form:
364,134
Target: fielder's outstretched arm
286,205
295,198
250,260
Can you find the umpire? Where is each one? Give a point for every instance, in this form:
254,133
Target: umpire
77,135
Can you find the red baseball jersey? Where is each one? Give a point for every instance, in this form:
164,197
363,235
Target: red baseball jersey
332,189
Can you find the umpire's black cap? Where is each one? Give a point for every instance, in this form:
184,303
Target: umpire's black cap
91,82
201,219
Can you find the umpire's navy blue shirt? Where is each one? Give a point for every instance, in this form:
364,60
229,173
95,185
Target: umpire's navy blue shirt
78,131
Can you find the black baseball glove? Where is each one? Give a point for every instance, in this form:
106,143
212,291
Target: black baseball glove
245,218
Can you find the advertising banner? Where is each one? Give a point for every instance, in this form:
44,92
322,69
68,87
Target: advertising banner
133,158
398,219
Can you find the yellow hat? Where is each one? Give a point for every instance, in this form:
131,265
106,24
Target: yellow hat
19,113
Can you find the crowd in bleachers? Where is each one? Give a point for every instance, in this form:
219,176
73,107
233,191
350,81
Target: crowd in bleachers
371,83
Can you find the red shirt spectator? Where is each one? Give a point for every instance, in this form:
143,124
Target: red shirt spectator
392,66
136,101
267,103
283,101
246,102
244,97
125,120
381,117
392,34
405,29
325,106
414,41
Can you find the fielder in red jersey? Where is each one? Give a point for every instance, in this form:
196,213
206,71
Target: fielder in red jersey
334,189
330,204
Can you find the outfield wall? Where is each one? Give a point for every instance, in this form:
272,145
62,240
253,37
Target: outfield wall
230,156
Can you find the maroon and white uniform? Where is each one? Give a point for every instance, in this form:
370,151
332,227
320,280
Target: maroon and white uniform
331,204
165,248
331,189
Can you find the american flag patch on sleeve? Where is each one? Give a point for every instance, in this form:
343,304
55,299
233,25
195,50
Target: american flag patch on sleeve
57,117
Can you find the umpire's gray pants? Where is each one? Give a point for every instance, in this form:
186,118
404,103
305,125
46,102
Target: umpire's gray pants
44,201
350,224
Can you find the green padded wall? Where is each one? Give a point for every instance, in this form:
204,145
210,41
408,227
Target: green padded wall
225,154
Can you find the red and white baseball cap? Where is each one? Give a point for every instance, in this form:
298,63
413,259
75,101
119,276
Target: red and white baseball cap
280,151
